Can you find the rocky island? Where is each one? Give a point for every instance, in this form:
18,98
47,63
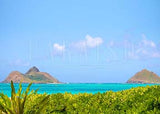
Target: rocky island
33,75
144,76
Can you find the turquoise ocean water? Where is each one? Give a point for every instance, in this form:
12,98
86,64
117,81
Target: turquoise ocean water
73,88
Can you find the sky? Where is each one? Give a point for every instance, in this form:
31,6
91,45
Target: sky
80,41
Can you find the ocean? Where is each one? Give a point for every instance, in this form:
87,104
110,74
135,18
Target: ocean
73,88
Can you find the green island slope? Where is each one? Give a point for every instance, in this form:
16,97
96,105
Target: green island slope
33,75
144,76
140,100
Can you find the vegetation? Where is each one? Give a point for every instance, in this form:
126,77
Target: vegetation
144,76
37,78
16,104
140,100
33,75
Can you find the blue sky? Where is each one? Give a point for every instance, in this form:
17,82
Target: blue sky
80,40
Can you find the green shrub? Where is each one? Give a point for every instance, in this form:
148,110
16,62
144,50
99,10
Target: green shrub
140,100
17,103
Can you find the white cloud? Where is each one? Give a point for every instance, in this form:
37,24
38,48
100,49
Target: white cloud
59,48
144,49
88,42
93,42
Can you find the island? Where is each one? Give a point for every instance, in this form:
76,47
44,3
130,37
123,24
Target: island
144,76
32,75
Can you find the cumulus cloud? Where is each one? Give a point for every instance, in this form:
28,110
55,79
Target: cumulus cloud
88,42
93,42
58,49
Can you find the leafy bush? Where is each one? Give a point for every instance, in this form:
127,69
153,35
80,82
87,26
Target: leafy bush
140,100
16,104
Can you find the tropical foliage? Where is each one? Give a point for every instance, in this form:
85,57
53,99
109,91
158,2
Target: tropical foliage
16,104
140,100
